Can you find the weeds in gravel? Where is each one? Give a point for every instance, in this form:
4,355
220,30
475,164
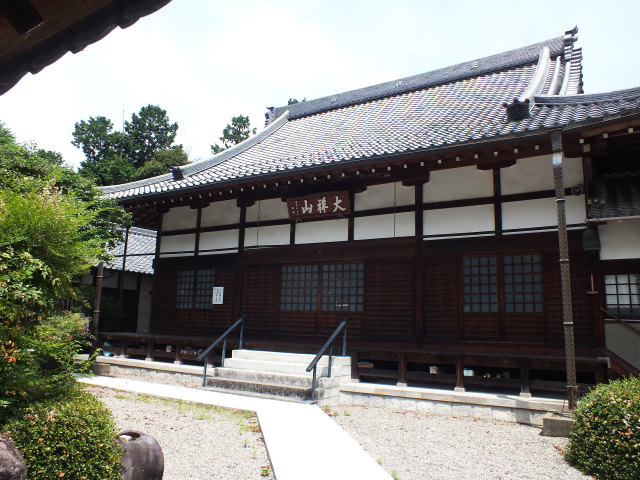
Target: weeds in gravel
199,411
394,475
266,470
379,460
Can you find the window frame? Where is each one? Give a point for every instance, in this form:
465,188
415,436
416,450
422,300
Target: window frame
634,308
197,292
511,294
316,291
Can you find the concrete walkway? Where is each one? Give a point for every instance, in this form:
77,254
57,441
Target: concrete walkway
302,441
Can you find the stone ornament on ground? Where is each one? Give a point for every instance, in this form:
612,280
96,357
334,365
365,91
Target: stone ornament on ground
142,457
12,466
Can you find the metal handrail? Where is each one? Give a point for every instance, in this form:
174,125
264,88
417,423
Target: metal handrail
620,320
222,338
329,344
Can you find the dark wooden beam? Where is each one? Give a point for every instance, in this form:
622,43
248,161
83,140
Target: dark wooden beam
21,15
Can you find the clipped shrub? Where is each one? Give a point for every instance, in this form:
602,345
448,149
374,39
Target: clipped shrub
41,363
605,437
74,439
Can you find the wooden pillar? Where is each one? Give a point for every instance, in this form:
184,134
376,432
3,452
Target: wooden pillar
196,247
178,357
525,383
459,375
150,343
402,370
355,375
237,306
96,302
418,296
497,202
121,275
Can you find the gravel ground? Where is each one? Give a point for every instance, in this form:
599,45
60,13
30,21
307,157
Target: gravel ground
202,443
425,446
198,442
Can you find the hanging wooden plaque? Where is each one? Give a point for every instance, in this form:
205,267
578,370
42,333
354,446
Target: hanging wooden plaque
319,205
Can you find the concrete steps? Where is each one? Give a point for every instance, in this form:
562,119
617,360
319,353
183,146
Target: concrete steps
278,375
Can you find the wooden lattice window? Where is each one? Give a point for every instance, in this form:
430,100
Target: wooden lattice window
622,294
502,283
194,287
343,287
522,284
480,284
299,287
330,287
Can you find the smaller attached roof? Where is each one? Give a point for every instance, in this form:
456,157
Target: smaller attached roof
617,195
141,248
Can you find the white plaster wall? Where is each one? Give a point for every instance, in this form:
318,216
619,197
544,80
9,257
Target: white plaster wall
271,235
536,173
620,239
381,196
529,214
572,172
177,243
323,231
575,209
541,212
527,175
272,209
382,226
225,212
227,239
179,218
457,184
478,218
144,304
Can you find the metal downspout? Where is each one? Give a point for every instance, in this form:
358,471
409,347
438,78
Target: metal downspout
565,274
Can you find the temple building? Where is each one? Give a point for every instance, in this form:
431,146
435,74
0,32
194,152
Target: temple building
467,220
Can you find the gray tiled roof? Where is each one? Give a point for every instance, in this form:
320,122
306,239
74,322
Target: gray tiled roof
141,248
617,195
460,105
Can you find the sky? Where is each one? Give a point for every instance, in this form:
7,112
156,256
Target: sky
205,61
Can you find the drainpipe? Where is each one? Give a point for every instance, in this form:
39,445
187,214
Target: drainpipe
565,274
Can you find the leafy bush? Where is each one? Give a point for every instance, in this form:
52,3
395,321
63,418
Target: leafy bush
74,439
605,437
39,363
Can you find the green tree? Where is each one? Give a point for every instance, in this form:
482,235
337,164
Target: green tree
54,225
111,170
147,133
6,136
144,149
237,131
293,101
97,139
162,162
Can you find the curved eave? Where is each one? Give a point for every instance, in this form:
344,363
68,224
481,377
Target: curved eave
33,57
377,161
195,168
585,99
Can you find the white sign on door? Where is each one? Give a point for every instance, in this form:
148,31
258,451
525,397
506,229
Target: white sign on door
218,296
